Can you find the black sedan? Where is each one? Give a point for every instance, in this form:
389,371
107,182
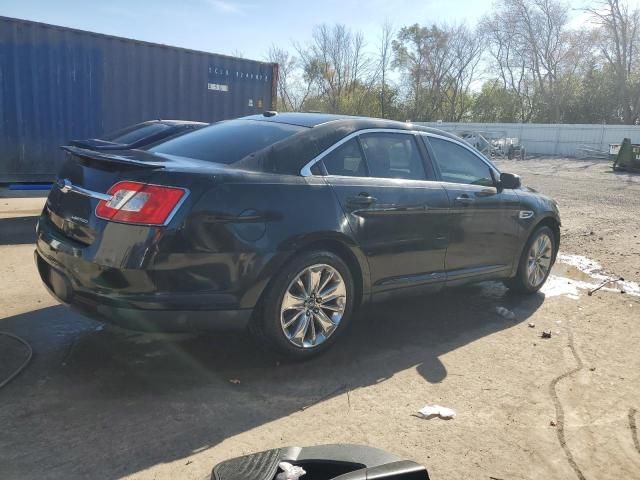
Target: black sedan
139,135
285,223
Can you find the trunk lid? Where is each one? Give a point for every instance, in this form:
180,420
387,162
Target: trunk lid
91,174
73,213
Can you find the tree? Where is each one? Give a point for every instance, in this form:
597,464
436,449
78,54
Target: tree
510,59
292,90
334,62
618,44
538,68
495,103
410,52
384,63
438,64
466,48
533,47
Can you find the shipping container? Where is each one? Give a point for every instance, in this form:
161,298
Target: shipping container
58,84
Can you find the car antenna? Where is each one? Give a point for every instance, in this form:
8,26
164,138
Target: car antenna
270,113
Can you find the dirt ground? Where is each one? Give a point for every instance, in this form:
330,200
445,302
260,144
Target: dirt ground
100,402
600,208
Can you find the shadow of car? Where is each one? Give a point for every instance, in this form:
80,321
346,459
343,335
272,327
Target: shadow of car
104,393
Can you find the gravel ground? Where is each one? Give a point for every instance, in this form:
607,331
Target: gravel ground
600,208
101,402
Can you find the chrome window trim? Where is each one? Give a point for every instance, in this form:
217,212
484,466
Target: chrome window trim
306,170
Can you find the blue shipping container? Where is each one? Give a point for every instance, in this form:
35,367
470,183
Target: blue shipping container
58,84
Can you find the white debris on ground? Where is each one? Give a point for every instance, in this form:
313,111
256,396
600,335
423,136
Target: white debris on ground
432,411
289,472
556,286
594,277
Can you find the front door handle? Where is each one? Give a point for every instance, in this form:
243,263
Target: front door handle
363,198
464,199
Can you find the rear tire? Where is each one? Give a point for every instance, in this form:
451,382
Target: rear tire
535,263
306,307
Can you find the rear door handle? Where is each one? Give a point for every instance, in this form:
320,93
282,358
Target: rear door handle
363,198
464,199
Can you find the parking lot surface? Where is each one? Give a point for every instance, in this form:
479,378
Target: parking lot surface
101,402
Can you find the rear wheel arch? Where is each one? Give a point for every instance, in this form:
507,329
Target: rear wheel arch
358,267
266,322
355,260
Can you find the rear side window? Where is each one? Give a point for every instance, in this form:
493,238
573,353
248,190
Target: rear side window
459,165
393,155
135,133
227,142
346,160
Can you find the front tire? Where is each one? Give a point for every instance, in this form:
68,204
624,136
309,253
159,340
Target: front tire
307,306
535,263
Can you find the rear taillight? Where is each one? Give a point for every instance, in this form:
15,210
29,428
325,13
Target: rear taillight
139,203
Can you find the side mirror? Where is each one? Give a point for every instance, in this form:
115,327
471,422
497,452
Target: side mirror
510,180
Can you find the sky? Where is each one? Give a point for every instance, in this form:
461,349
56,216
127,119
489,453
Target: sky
246,27
232,26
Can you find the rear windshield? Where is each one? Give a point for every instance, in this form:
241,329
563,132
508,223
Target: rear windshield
227,142
136,132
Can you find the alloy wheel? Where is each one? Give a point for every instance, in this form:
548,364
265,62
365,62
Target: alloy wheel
313,305
539,260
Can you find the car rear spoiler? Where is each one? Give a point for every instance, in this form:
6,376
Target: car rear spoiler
94,142
111,158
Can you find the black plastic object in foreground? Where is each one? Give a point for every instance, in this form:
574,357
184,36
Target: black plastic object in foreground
322,462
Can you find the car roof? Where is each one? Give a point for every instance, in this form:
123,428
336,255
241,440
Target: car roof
315,119
173,123
323,130
181,122
301,119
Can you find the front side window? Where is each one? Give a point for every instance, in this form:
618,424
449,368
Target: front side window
393,155
346,160
459,165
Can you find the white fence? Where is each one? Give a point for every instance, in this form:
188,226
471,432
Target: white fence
550,139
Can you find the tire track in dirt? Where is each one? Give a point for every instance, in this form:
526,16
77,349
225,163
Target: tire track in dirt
634,428
560,410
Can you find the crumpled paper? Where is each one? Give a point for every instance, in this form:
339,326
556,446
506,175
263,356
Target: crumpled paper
432,411
289,472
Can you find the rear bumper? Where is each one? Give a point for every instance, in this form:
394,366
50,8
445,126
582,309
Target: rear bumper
165,312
